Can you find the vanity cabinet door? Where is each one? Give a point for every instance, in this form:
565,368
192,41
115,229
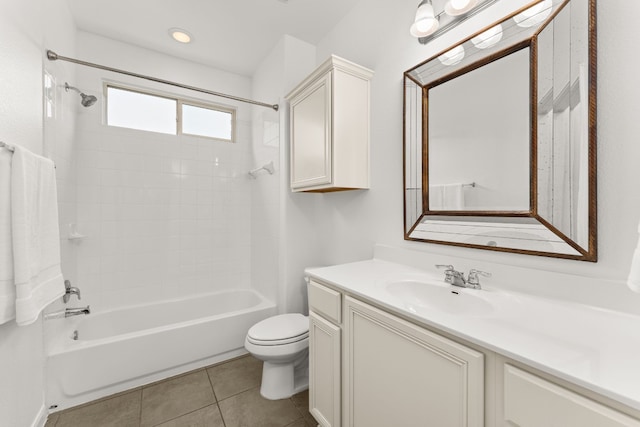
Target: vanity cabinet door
324,371
530,401
398,374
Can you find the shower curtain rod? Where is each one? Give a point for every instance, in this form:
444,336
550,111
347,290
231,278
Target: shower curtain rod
52,56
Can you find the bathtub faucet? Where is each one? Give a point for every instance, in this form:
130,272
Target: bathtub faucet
69,290
68,312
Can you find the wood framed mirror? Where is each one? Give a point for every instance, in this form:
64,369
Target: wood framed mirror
500,136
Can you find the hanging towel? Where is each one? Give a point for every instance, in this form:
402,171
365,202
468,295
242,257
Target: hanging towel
633,281
36,236
7,285
446,197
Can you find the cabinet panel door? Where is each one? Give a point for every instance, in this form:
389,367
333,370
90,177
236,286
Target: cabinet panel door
530,401
311,135
324,371
398,374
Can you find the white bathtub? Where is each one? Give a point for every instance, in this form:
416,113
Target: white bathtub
125,348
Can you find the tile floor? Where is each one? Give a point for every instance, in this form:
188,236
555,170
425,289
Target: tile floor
222,395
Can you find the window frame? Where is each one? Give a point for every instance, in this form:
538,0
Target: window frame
180,101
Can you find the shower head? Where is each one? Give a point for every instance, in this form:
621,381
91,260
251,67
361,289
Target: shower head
87,100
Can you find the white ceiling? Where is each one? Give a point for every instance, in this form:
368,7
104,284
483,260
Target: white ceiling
232,35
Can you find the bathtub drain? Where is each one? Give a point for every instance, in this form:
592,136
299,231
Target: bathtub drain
75,335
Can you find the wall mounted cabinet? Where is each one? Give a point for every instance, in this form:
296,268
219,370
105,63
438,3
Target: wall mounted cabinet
329,128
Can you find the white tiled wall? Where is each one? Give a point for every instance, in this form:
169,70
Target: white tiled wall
165,216
59,145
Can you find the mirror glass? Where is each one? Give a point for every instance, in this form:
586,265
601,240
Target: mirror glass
499,137
473,167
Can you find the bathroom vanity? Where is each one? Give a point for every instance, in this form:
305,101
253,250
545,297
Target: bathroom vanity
395,345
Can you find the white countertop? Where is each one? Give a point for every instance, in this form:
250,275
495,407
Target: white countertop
595,348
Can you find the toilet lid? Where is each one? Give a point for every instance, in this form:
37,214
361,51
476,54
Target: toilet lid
280,329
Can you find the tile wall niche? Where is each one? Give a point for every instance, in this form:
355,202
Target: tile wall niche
165,216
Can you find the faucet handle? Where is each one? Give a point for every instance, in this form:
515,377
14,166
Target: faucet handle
448,272
473,280
68,291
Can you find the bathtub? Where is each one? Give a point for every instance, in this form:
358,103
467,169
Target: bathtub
125,348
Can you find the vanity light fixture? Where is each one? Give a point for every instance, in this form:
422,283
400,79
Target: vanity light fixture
435,17
452,56
180,35
425,22
488,38
534,15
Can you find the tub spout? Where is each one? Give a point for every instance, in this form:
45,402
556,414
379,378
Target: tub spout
68,312
77,311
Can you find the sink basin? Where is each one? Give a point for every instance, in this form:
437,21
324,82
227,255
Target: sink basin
418,296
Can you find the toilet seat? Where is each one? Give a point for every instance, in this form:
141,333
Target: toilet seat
279,330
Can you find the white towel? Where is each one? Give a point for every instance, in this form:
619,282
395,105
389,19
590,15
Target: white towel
36,236
633,281
446,197
7,285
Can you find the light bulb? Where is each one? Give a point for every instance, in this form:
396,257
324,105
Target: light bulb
425,22
534,15
424,12
459,7
488,38
459,4
453,56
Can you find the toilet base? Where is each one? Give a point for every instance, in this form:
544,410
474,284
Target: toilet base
283,380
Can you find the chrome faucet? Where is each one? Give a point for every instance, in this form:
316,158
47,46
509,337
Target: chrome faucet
68,312
456,278
69,290
452,276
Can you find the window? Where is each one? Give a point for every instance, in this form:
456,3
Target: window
204,121
133,109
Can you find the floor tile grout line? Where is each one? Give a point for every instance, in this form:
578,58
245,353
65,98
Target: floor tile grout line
140,412
213,390
186,413
224,423
215,396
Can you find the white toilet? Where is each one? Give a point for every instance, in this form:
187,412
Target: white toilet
282,342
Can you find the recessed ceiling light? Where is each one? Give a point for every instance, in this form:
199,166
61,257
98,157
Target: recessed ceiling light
180,35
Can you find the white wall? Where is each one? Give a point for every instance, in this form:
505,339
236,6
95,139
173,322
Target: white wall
375,34
299,218
265,189
24,34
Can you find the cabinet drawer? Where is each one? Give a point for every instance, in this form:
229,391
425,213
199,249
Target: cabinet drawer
532,401
325,301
